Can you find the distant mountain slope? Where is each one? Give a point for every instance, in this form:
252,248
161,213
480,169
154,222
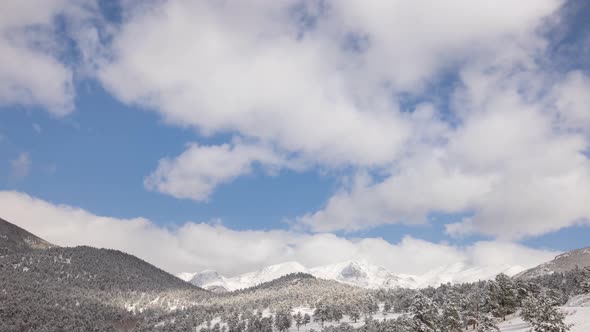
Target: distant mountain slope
212,280
362,274
356,273
291,290
82,288
14,238
561,263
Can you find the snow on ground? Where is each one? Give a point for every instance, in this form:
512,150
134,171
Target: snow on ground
577,310
317,326
579,316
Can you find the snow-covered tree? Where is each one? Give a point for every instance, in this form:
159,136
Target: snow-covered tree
282,320
486,323
355,314
451,320
387,307
424,314
298,319
585,280
503,295
306,319
542,314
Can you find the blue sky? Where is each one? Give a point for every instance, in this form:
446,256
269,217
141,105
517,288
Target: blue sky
453,130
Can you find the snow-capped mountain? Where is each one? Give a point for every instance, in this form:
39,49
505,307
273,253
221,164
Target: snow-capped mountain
362,274
561,263
359,273
211,280
460,273
266,274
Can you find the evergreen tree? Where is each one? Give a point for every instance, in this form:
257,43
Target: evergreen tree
282,320
424,314
298,319
503,296
386,308
485,323
451,320
321,313
543,315
354,312
585,280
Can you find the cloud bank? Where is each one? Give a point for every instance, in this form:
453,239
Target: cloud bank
458,107
195,246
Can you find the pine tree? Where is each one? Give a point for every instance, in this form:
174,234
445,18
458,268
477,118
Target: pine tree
386,308
504,296
485,323
321,313
451,318
298,319
543,315
585,280
424,314
282,320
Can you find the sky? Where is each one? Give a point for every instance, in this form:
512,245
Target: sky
231,135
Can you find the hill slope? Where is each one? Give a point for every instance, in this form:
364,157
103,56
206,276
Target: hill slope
561,263
14,238
82,288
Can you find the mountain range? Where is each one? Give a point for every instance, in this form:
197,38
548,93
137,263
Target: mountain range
44,287
358,273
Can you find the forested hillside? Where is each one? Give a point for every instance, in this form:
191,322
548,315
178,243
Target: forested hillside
90,289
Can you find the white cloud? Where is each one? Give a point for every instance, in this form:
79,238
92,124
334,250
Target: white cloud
572,97
196,246
29,66
510,163
197,171
324,80
312,94
21,165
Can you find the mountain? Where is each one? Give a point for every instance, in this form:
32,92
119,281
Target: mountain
358,273
14,239
561,263
461,273
362,274
211,280
49,288
264,275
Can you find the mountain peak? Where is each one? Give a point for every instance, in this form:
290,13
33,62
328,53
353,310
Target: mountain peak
14,238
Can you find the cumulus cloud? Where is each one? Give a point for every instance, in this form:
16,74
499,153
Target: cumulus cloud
320,78
329,82
195,246
326,80
21,165
29,66
572,100
511,164
197,171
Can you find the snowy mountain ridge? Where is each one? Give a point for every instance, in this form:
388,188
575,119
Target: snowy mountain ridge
561,263
358,273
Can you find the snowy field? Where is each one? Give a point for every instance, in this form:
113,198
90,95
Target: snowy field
317,326
577,310
579,316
